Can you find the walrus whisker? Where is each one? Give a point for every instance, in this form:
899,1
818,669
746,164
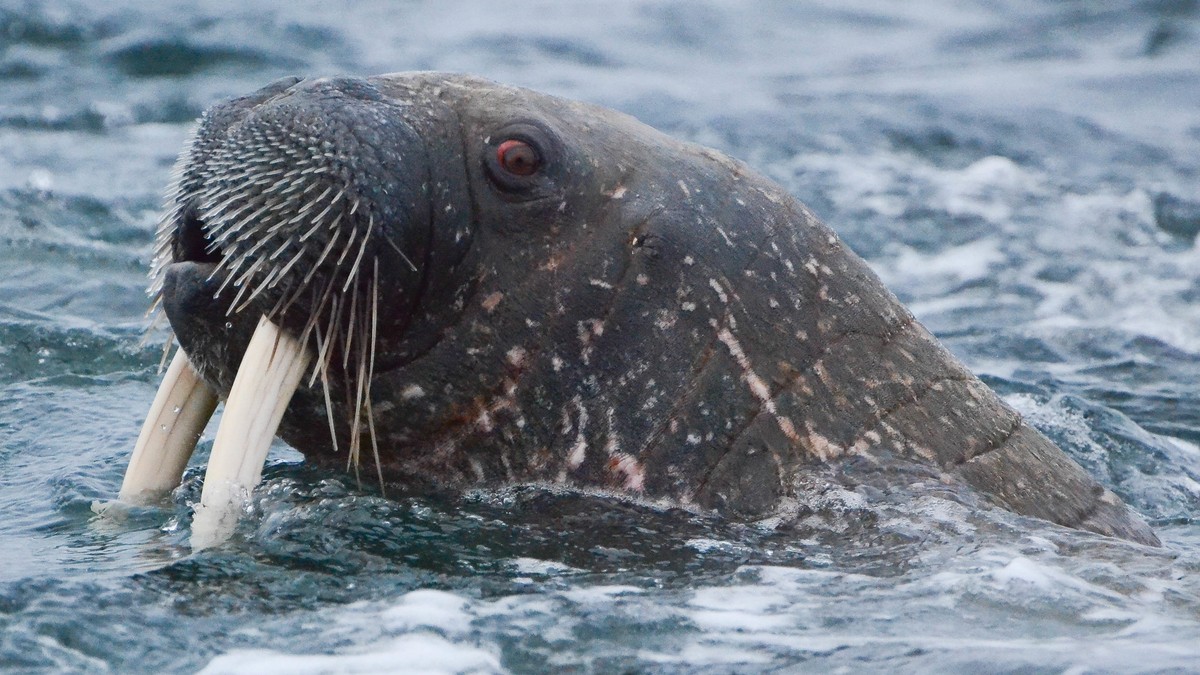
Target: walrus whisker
166,353
337,232
326,354
303,215
308,206
351,323
277,311
371,371
324,212
359,390
317,309
290,185
163,244
282,221
156,316
288,299
234,270
230,270
214,211
349,245
317,226
267,281
362,386
264,177
258,288
318,365
290,264
321,369
335,318
250,252
330,338
352,455
287,244
309,187
220,229
240,228
370,414
217,189
244,287
353,275
402,254
273,277
247,234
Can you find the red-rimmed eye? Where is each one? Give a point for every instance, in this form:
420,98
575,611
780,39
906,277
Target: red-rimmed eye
518,157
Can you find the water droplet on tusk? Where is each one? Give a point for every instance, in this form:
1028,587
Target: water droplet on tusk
177,417
267,378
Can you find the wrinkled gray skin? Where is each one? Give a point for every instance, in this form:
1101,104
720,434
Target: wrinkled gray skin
642,314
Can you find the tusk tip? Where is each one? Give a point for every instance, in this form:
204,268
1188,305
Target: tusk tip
215,521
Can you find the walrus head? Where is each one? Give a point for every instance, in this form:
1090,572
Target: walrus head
486,284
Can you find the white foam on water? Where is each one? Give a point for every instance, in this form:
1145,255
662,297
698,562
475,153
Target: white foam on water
985,188
542,567
1045,578
927,509
992,188
973,260
423,631
416,653
1127,278
429,609
1013,605
706,545
591,595
748,608
700,655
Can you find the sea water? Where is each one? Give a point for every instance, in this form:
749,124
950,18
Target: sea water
1024,175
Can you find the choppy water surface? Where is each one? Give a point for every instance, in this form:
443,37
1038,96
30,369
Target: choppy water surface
1023,174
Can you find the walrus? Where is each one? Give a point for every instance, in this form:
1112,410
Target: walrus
452,283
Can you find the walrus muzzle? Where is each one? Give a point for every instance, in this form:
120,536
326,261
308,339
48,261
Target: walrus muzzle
270,219
465,284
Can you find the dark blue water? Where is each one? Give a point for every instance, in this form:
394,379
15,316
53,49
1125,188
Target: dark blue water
1026,175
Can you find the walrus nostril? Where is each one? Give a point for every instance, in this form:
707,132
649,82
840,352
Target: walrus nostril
193,243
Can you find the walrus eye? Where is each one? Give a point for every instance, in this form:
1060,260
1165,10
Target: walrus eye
522,160
518,157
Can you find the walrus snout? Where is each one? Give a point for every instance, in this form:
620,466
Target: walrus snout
307,198
200,318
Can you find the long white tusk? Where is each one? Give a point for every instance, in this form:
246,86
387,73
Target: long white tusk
269,374
181,409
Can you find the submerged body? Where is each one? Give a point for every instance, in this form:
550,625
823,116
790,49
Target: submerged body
501,286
